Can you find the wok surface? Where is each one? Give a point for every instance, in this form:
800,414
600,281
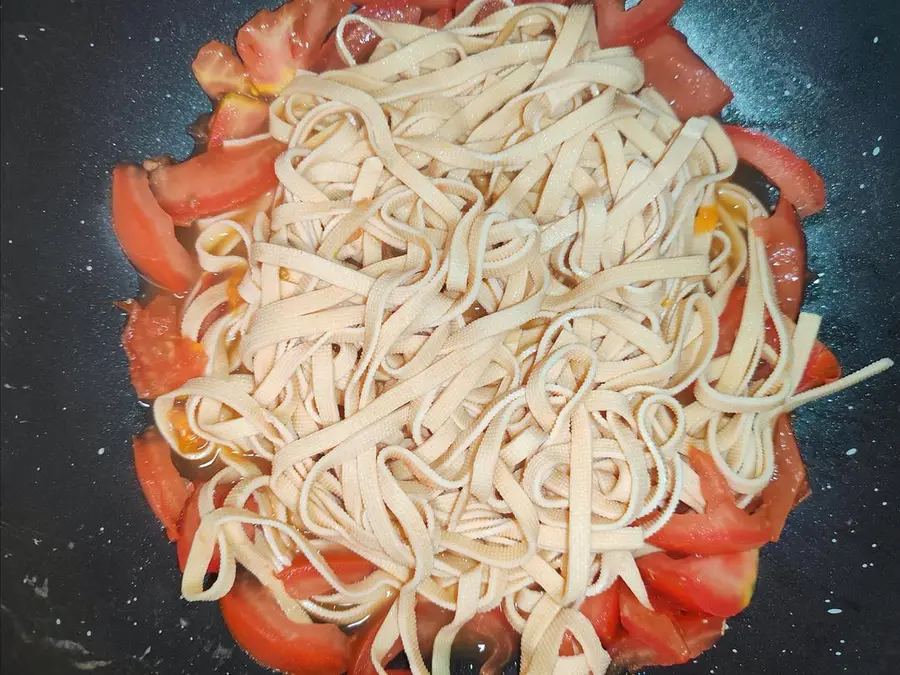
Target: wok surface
88,579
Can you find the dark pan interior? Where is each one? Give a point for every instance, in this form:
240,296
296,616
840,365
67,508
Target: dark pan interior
89,581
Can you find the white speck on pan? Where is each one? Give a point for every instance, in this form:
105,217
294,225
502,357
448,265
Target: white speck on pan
850,452
876,151
835,610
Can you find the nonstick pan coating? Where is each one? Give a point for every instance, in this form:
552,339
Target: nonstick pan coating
89,582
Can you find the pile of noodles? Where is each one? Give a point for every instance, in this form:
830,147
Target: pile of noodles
469,322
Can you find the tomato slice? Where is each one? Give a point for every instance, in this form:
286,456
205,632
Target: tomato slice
362,40
160,358
216,181
237,116
302,580
274,45
721,585
700,631
797,180
617,27
603,612
219,71
656,629
164,488
786,250
438,20
259,625
146,232
673,69
822,368
721,528
361,647
789,485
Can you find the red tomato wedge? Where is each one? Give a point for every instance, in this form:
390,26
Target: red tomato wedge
259,625
146,232
617,27
166,491
216,181
219,71
730,319
699,632
490,634
796,178
190,522
302,580
603,612
786,249
722,528
721,585
274,45
684,80
656,629
237,116
438,20
160,358
789,485
821,369
361,648
362,40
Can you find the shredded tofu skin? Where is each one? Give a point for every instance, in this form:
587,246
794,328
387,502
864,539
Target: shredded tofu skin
465,325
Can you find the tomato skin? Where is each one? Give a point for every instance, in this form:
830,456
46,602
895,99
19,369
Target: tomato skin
146,232
274,45
618,27
219,71
260,627
216,181
653,628
684,80
720,585
237,116
722,528
788,486
303,581
164,488
822,368
796,178
160,358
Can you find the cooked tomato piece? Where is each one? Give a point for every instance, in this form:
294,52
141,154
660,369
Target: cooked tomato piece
700,631
237,116
302,580
274,45
426,5
655,629
730,319
721,585
490,637
166,491
216,181
673,69
190,523
258,624
362,40
603,612
147,233
786,250
789,485
437,20
361,647
796,178
721,528
821,369
219,71
160,358
617,27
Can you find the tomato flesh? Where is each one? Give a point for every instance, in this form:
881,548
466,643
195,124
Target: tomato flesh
303,581
216,181
788,486
219,71
797,180
146,232
361,648
618,27
165,490
603,612
160,358
822,368
653,628
237,116
684,80
721,528
259,626
438,20
362,40
190,523
721,585
274,45
782,235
